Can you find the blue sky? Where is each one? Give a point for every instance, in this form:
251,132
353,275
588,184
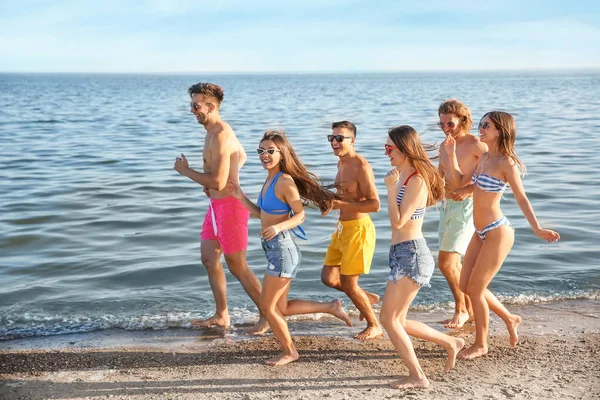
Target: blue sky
296,36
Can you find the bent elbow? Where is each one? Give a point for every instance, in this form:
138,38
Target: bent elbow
376,206
220,185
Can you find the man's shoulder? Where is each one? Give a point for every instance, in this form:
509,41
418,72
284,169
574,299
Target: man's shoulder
473,142
361,163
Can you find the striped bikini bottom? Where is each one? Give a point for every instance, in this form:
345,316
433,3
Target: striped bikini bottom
491,226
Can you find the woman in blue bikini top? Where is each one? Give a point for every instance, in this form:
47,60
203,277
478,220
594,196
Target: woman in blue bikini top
498,168
280,209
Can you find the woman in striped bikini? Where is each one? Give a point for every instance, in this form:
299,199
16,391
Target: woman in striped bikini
411,262
494,236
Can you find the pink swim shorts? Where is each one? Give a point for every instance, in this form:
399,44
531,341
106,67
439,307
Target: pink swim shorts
227,222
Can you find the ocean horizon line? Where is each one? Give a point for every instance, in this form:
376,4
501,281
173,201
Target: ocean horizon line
333,72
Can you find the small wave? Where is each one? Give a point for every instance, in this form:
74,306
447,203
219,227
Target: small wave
34,325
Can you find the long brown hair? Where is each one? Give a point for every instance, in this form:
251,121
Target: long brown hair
507,128
408,143
309,185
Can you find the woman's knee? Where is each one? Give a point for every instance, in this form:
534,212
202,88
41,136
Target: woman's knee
474,290
265,307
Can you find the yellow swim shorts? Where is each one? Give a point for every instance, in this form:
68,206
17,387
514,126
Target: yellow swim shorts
352,246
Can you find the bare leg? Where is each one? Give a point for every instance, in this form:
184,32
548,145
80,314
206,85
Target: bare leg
491,255
449,264
396,300
211,254
512,321
275,291
297,306
330,276
361,301
239,268
395,292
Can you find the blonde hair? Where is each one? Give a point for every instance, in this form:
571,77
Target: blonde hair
458,108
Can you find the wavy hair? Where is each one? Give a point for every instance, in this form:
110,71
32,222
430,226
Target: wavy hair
507,128
310,187
408,143
458,108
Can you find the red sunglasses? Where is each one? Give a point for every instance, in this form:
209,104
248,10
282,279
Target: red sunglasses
389,148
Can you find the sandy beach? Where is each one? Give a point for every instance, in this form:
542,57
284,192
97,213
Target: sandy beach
558,357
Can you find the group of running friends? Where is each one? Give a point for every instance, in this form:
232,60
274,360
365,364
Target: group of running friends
472,174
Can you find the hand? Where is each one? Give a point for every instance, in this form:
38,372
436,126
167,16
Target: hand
461,193
449,145
270,232
181,164
235,190
548,235
207,191
391,178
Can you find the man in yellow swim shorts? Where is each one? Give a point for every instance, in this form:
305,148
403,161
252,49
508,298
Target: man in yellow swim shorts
353,243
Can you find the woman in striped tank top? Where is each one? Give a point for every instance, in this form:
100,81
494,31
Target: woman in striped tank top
494,236
413,184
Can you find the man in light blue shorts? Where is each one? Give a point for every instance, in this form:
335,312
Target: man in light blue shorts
456,217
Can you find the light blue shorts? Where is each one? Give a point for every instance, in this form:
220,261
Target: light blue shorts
456,225
413,259
283,255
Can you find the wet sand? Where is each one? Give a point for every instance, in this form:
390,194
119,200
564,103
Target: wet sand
558,357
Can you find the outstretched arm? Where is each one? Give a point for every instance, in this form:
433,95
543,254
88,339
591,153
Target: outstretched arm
514,179
236,191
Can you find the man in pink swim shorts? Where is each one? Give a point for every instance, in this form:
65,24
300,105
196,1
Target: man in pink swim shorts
225,227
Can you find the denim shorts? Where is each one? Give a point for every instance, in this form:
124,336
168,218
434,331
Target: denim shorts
413,259
283,255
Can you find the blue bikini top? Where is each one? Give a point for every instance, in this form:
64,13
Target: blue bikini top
488,183
269,202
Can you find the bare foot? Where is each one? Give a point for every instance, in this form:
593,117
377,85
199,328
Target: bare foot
338,311
457,345
473,352
260,328
457,321
220,321
370,332
512,329
282,359
373,299
411,382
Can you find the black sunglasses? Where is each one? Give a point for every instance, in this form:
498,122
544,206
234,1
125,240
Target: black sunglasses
195,106
338,138
484,125
270,151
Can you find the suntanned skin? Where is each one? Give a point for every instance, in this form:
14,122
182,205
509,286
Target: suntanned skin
274,301
223,157
469,150
484,258
356,183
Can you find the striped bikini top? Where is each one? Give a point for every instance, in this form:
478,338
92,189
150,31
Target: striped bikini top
419,212
488,183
